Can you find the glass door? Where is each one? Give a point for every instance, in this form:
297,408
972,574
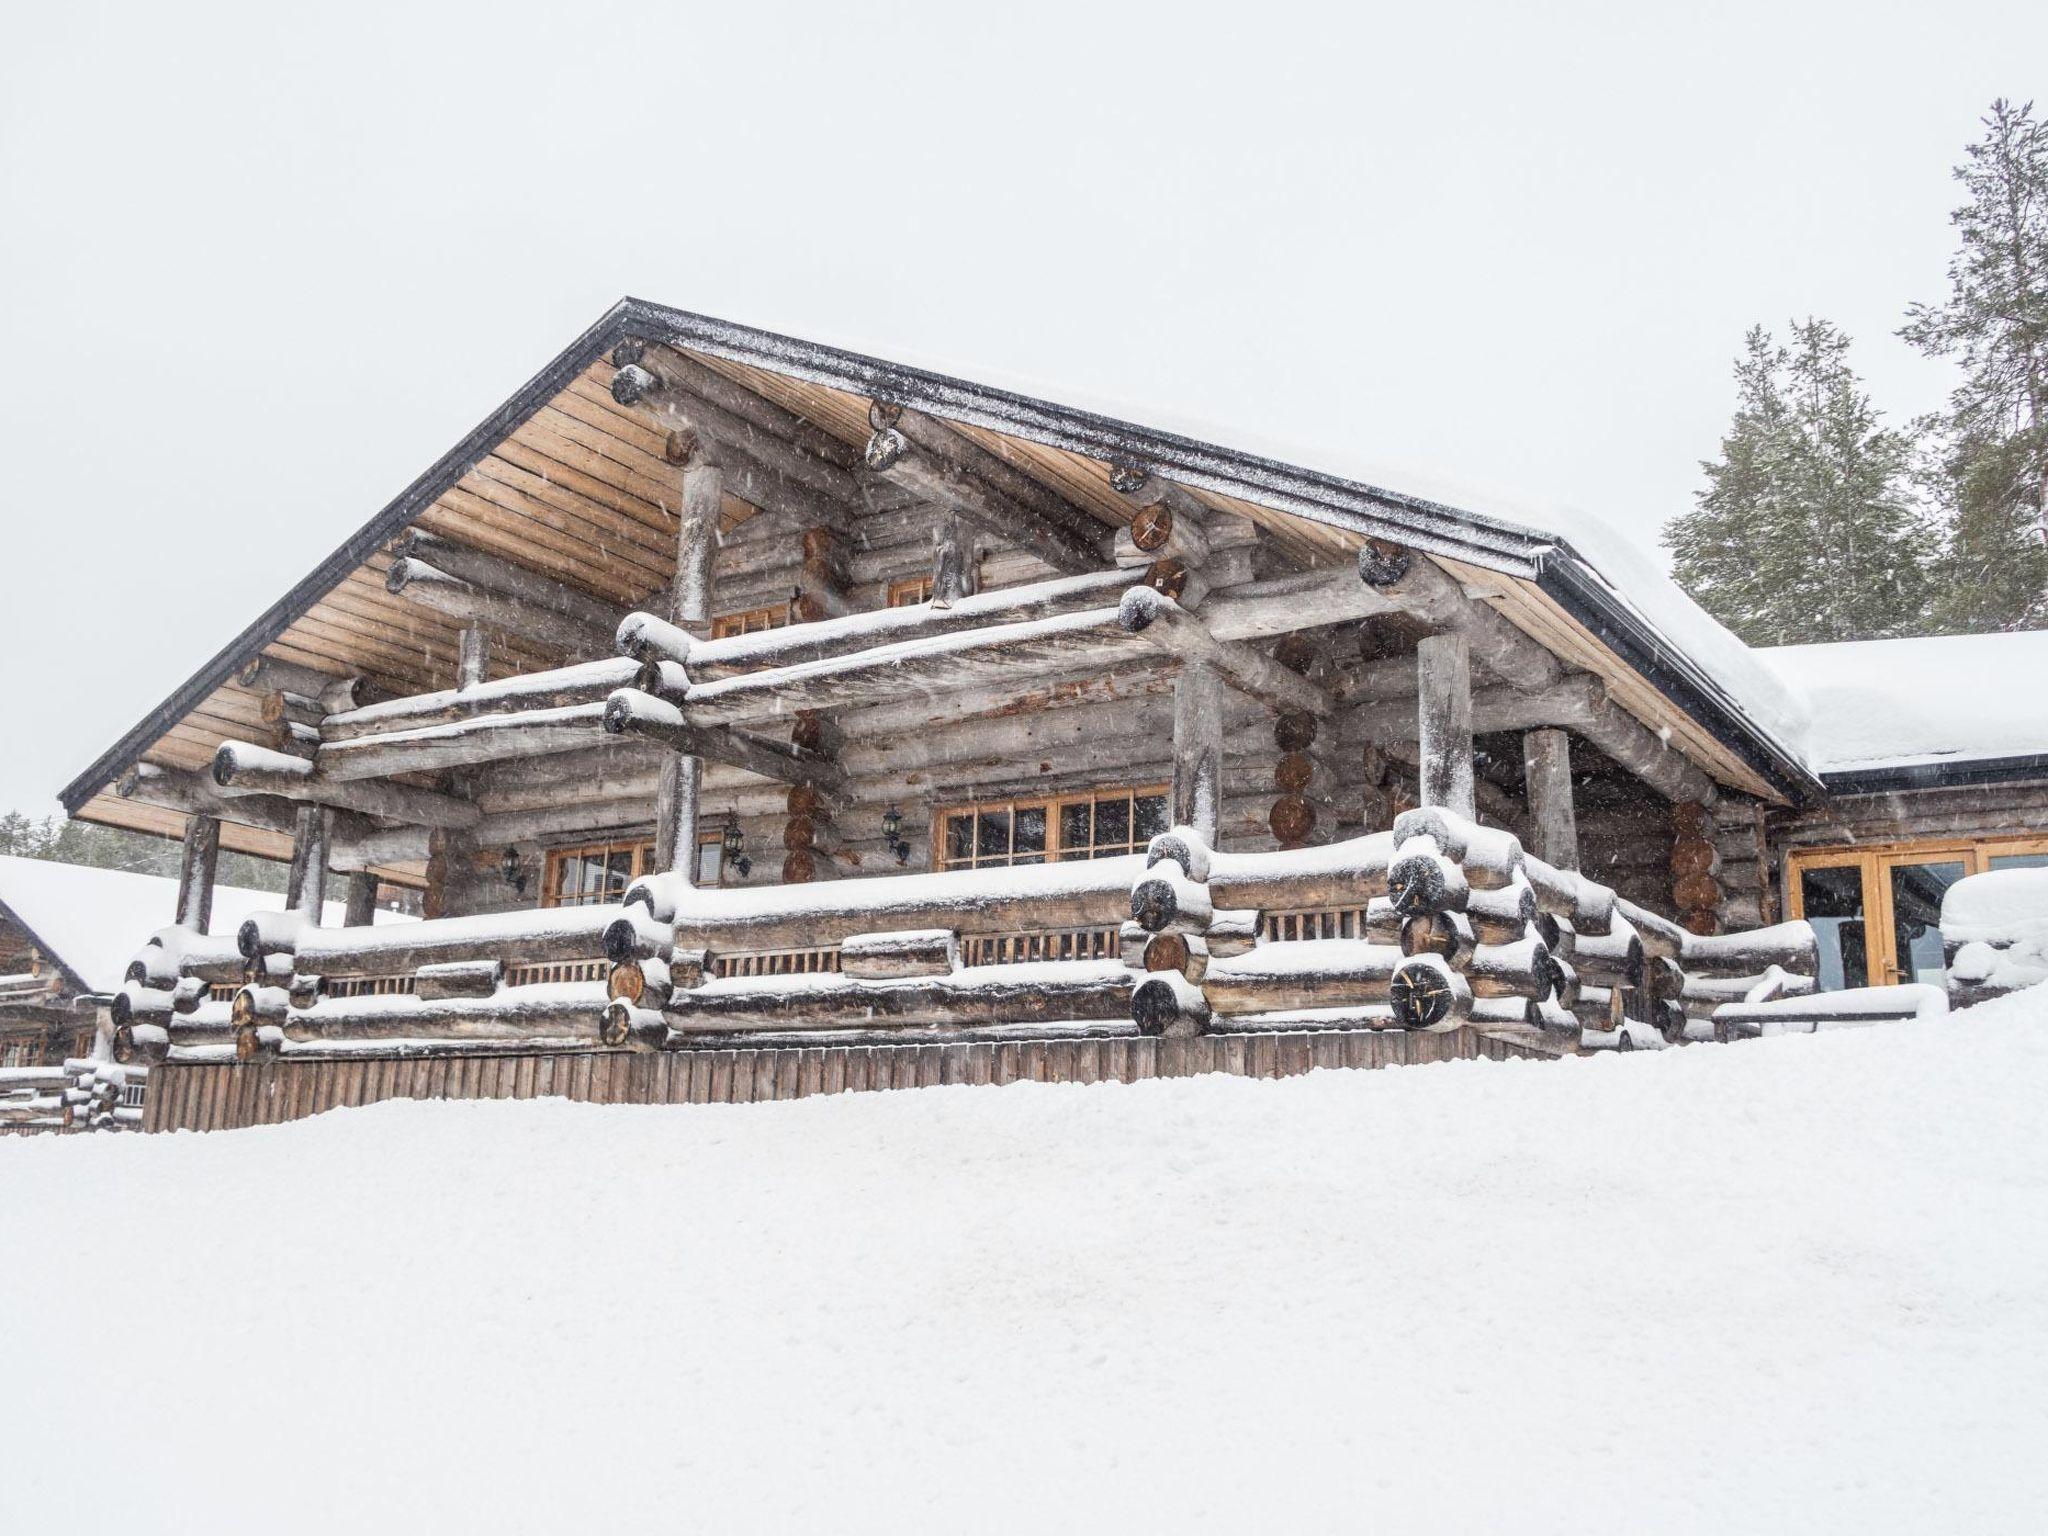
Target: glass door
1828,893
1912,886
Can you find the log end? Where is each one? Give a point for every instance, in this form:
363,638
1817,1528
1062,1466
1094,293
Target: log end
885,448
1427,994
1139,608
633,383
1381,564
1168,1005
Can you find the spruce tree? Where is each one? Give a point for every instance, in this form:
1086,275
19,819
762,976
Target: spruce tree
1807,528
1992,462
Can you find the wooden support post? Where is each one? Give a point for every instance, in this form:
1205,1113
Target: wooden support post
1444,721
1198,749
682,775
306,884
956,573
1547,769
1695,865
362,900
473,659
195,872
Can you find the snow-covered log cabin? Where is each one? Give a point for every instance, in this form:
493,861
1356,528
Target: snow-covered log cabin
760,718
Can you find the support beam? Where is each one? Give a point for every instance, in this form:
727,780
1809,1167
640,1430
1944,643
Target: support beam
242,768
940,465
629,711
472,658
195,794
691,600
956,566
1443,716
588,682
676,809
362,900
1574,703
1547,772
1164,623
523,619
271,674
1198,750
1417,585
715,431
463,743
196,864
498,574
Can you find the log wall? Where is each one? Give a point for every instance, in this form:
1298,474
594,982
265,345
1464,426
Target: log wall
224,1096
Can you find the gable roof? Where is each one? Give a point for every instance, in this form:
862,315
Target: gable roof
1726,704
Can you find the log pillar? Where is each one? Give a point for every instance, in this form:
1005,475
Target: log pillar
196,864
809,839
473,657
362,900
1547,768
682,776
1198,750
821,580
306,884
955,571
1695,890
1443,666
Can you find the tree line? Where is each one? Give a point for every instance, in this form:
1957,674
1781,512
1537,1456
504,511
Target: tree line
1820,522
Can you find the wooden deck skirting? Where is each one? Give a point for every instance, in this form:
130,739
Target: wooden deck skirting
224,1096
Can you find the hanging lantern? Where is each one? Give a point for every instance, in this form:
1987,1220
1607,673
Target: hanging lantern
513,870
734,842
892,828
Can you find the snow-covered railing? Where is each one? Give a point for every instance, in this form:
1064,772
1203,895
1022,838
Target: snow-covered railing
81,1094
1994,934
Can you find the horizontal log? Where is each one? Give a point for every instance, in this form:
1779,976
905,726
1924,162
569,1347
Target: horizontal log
629,710
569,1010
1415,583
538,937
1311,973
1340,874
241,768
1715,990
195,794
913,952
720,434
458,978
464,743
417,581
570,604
1790,946
588,682
978,995
274,674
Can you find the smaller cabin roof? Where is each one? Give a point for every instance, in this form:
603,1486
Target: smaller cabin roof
1891,714
90,921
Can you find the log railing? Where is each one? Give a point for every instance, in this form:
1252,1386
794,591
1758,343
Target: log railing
81,1094
1440,924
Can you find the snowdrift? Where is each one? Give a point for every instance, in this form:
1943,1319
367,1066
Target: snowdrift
1798,1284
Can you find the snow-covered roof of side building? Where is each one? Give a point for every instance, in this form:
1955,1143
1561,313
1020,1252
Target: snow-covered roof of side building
91,921
1884,708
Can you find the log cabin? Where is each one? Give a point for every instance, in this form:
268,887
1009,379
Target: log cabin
760,718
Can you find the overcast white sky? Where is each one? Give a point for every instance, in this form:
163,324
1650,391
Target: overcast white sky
259,266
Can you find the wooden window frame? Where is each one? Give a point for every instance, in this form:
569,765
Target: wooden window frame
1056,851
750,621
1873,860
909,591
641,848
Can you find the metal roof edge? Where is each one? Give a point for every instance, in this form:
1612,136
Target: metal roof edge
1949,773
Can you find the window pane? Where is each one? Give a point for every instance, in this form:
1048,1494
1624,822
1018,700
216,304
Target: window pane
1833,902
1113,825
992,835
618,871
1917,890
1030,830
1151,817
1075,832
2019,861
710,863
959,837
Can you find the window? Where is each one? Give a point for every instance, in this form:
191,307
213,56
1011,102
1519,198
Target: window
910,591
584,877
1096,825
1877,910
750,622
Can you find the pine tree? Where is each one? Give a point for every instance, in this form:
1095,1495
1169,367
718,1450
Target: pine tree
1808,528
1992,466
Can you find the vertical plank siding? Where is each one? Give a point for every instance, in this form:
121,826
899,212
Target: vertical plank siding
228,1095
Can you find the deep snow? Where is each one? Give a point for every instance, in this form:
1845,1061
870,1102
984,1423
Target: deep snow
1798,1283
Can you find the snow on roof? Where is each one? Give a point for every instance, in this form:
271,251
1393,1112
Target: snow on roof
1480,1296
93,921
1900,703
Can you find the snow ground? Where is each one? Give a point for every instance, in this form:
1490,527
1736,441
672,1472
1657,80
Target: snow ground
1798,1283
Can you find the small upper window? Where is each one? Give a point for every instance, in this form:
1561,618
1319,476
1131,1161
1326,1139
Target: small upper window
751,621
1097,825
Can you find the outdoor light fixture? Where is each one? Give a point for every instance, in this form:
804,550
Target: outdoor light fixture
734,842
513,870
892,827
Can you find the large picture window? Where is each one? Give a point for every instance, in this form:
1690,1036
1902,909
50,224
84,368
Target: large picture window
1877,910
1096,825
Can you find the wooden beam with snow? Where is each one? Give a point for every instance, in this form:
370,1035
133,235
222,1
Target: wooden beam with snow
630,711
197,861
497,574
1164,623
463,743
1198,750
242,768
195,794
588,682
941,465
414,579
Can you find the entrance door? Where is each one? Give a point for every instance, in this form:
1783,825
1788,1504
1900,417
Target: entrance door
1912,886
